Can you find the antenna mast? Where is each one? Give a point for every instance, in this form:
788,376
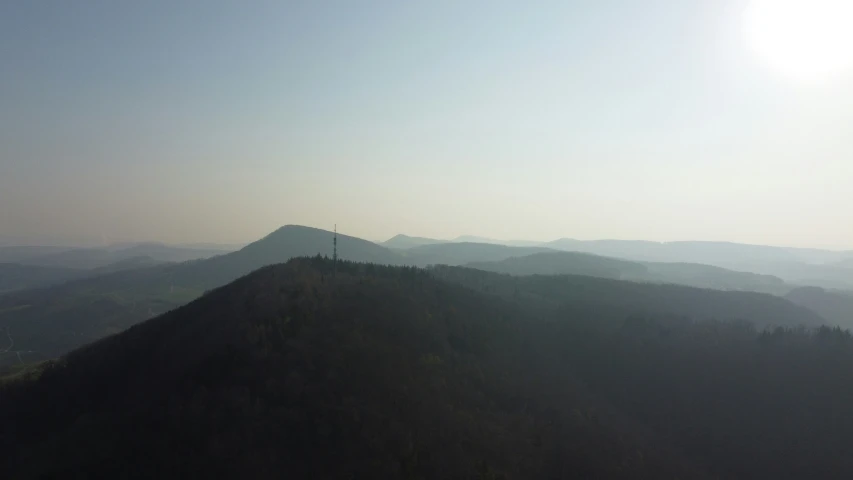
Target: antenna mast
335,253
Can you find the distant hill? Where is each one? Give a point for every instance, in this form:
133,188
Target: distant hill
712,253
167,253
92,258
835,306
509,243
803,266
847,263
390,372
22,254
142,261
609,300
407,242
574,263
49,322
565,263
462,253
280,246
708,276
404,241
830,276
18,277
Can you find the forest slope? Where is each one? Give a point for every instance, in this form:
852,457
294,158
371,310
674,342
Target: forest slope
612,300
379,373
389,372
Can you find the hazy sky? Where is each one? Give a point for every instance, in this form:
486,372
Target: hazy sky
219,121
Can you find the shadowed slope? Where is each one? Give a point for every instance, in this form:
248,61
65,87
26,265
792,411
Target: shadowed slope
382,373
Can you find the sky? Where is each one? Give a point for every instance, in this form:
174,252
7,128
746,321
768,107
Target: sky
219,121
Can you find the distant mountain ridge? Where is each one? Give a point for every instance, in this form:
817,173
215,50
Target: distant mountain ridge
509,243
51,321
15,277
92,258
402,241
575,263
21,254
461,253
698,251
801,266
613,300
405,241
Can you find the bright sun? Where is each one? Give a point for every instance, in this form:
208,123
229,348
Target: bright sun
807,39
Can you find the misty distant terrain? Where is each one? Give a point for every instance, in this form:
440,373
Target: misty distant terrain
573,263
50,321
28,267
23,254
14,276
836,306
91,258
460,253
405,241
798,266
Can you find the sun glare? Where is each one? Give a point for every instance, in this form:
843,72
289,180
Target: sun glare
809,40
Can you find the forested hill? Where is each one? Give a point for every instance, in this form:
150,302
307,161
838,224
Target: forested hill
576,263
611,300
42,324
565,263
389,372
45,323
280,246
378,372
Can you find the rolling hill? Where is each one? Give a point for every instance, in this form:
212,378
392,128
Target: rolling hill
462,253
18,277
48,322
13,254
609,300
574,263
710,253
280,246
132,263
390,372
801,266
508,243
404,241
835,306
564,263
92,258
